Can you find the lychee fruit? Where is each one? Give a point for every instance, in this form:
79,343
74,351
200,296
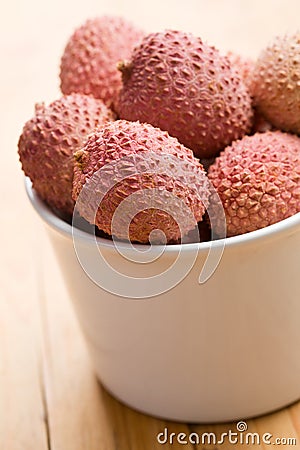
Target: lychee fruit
89,62
258,181
178,83
149,177
50,138
276,83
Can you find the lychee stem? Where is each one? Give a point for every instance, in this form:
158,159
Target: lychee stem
39,107
125,68
80,158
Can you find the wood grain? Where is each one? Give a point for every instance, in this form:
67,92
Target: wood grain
49,396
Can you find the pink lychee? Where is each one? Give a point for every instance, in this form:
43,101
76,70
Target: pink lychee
50,138
128,160
89,62
258,180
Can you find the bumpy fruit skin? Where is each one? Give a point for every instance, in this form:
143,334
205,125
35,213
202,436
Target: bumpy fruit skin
258,180
50,138
89,62
276,83
150,159
178,83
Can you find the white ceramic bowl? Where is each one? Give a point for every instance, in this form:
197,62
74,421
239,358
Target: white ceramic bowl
223,350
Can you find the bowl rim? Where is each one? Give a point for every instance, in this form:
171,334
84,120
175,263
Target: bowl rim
288,225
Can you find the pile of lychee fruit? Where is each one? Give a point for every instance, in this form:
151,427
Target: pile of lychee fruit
167,113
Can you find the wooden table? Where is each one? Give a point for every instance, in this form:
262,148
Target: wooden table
49,396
